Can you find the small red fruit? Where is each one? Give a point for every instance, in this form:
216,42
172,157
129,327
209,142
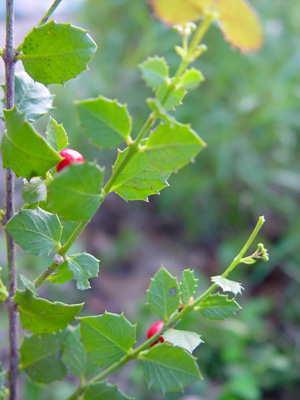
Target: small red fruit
156,327
70,156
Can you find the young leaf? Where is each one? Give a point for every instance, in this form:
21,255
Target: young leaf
155,71
28,284
227,285
191,79
56,135
62,274
106,122
41,316
84,266
23,149
139,179
218,307
185,339
34,191
75,191
173,99
104,391
169,368
163,294
36,231
107,337
188,285
56,52
75,356
31,97
41,357
171,146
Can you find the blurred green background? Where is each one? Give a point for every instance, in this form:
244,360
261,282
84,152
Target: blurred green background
247,111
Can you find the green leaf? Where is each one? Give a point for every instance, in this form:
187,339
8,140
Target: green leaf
41,357
41,316
188,285
2,378
155,71
84,266
31,97
170,100
34,191
75,356
28,284
106,122
56,135
36,231
62,274
104,391
75,191
227,285
171,146
56,52
163,294
185,339
23,150
107,337
169,368
218,307
191,79
68,229
139,179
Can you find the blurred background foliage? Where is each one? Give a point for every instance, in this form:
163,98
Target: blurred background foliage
247,111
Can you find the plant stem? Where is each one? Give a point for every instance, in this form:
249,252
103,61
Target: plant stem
49,12
177,316
8,56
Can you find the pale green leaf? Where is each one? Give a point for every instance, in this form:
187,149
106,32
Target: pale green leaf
56,52
138,179
56,135
68,229
34,191
83,266
155,71
62,274
42,316
75,356
23,150
104,391
188,285
106,122
169,368
218,307
75,191
41,357
28,284
227,285
36,231
170,100
171,146
185,339
163,294
191,79
107,337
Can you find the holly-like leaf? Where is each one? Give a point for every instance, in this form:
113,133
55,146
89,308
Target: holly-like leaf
42,316
28,284
23,150
218,307
106,122
191,79
36,231
34,191
84,266
75,191
56,52
139,179
75,356
170,100
104,391
41,357
171,146
163,294
155,71
107,337
169,368
62,274
56,135
185,339
227,285
188,285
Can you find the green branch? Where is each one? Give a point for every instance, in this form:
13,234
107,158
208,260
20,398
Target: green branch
49,12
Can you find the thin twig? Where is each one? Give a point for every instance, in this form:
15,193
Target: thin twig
49,12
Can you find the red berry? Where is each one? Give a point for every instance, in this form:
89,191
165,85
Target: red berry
70,156
156,327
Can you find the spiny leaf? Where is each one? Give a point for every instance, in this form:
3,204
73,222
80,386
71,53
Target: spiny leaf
104,391
34,191
191,79
188,285
185,339
56,135
170,100
218,307
155,71
227,285
83,266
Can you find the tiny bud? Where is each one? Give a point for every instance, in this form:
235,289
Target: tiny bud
58,259
265,258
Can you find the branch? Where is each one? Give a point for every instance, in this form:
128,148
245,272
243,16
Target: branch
49,12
